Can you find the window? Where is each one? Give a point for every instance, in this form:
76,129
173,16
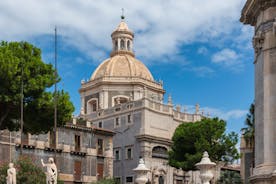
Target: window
129,120
160,152
92,105
100,146
122,45
129,179
77,142
119,100
117,155
129,153
117,122
128,45
116,45
100,124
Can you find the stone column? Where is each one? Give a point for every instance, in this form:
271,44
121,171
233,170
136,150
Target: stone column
261,14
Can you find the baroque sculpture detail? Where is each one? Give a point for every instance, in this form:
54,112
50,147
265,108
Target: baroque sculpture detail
51,174
11,178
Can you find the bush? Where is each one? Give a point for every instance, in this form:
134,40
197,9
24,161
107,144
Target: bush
26,172
105,181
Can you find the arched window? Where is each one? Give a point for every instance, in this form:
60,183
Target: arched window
122,45
159,152
119,100
128,45
116,45
92,105
161,180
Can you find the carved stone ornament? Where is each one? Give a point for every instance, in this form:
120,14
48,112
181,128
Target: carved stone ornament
51,174
11,172
258,42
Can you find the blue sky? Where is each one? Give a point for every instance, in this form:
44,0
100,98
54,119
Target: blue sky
199,49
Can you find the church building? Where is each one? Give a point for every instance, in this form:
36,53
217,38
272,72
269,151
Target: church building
122,96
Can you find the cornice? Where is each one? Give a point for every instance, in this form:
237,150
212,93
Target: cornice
154,139
252,9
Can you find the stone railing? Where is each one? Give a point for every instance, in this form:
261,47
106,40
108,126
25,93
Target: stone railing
145,103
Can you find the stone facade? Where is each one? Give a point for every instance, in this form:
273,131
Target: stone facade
79,155
261,14
122,96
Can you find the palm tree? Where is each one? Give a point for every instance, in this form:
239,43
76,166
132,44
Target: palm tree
249,130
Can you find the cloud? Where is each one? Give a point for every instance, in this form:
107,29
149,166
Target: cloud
226,115
161,26
203,71
228,58
202,50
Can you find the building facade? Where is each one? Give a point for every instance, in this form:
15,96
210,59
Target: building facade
123,96
83,154
262,15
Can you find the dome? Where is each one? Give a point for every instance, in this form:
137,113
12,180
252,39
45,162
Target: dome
122,65
122,27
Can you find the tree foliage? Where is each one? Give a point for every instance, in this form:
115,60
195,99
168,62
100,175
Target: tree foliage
249,130
21,61
190,140
105,181
229,177
26,172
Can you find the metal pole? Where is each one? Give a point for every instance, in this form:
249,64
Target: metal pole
55,93
10,146
21,112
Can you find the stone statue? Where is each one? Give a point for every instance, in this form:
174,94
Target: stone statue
51,174
11,178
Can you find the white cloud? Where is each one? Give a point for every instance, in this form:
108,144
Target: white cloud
203,71
228,58
161,26
202,50
226,115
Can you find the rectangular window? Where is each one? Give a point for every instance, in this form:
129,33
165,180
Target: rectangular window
117,122
77,142
117,154
129,118
129,179
100,147
100,124
129,152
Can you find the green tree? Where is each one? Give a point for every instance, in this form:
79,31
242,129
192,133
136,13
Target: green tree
229,177
105,181
27,172
21,61
249,130
190,140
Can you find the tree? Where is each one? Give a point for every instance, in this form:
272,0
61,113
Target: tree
229,177
27,172
105,181
21,61
190,140
249,130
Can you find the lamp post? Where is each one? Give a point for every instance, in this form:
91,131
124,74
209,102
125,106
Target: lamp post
205,166
141,171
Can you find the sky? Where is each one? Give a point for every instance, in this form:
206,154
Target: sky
198,48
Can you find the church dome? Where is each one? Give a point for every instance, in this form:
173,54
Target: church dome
122,62
122,65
